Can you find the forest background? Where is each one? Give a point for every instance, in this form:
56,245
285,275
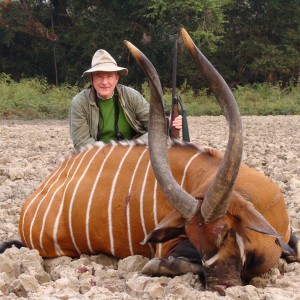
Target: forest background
45,45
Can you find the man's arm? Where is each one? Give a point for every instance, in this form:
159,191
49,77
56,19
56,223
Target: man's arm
79,127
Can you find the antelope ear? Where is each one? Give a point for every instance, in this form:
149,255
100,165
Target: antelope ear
171,226
287,251
251,218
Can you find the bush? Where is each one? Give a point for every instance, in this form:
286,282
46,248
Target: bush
256,99
35,99
267,99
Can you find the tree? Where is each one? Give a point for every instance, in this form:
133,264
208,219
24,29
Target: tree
19,17
262,40
203,19
248,41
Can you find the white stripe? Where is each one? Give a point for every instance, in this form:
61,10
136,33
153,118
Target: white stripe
142,205
159,245
91,197
210,261
155,197
297,249
187,166
49,206
58,250
73,199
155,203
57,247
241,245
87,218
40,203
110,225
128,204
32,200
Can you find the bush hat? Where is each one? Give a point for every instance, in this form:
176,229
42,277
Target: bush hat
103,61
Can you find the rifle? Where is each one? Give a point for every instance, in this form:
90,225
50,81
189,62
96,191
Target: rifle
172,131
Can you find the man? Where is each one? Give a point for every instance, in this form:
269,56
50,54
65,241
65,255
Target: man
107,110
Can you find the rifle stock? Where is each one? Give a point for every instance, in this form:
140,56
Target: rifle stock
174,132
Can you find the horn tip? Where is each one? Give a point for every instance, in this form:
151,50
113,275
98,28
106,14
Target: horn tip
133,49
183,30
187,38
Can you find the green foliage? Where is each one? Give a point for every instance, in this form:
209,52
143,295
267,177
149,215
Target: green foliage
261,41
267,99
85,26
203,18
257,99
34,99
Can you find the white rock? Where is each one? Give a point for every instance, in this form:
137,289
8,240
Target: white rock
15,173
132,263
70,282
105,260
106,273
24,285
5,282
8,267
138,283
51,263
77,263
295,183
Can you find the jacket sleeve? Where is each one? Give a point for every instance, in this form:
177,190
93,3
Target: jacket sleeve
78,124
142,111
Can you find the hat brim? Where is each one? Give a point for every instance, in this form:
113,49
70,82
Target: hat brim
107,68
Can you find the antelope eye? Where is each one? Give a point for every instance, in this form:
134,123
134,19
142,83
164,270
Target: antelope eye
225,237
221,238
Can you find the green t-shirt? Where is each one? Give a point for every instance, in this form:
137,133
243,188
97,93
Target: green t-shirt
107,121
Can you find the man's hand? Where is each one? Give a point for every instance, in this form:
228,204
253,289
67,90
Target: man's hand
177,123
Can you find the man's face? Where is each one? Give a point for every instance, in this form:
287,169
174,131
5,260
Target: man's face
104,83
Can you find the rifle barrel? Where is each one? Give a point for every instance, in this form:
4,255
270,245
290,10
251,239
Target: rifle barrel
174,66
173,132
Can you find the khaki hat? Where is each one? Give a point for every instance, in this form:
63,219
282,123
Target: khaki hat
103,61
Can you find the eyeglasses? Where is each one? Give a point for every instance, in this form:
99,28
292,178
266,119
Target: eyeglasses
102,77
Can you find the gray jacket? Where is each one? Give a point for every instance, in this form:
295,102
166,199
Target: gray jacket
84,114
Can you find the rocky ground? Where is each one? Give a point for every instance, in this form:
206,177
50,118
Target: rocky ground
30,150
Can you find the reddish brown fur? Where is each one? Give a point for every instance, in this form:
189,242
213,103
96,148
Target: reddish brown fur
251,187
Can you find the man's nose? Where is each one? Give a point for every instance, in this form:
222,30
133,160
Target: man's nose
104,79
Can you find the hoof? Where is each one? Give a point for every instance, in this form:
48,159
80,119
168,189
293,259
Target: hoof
170,267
